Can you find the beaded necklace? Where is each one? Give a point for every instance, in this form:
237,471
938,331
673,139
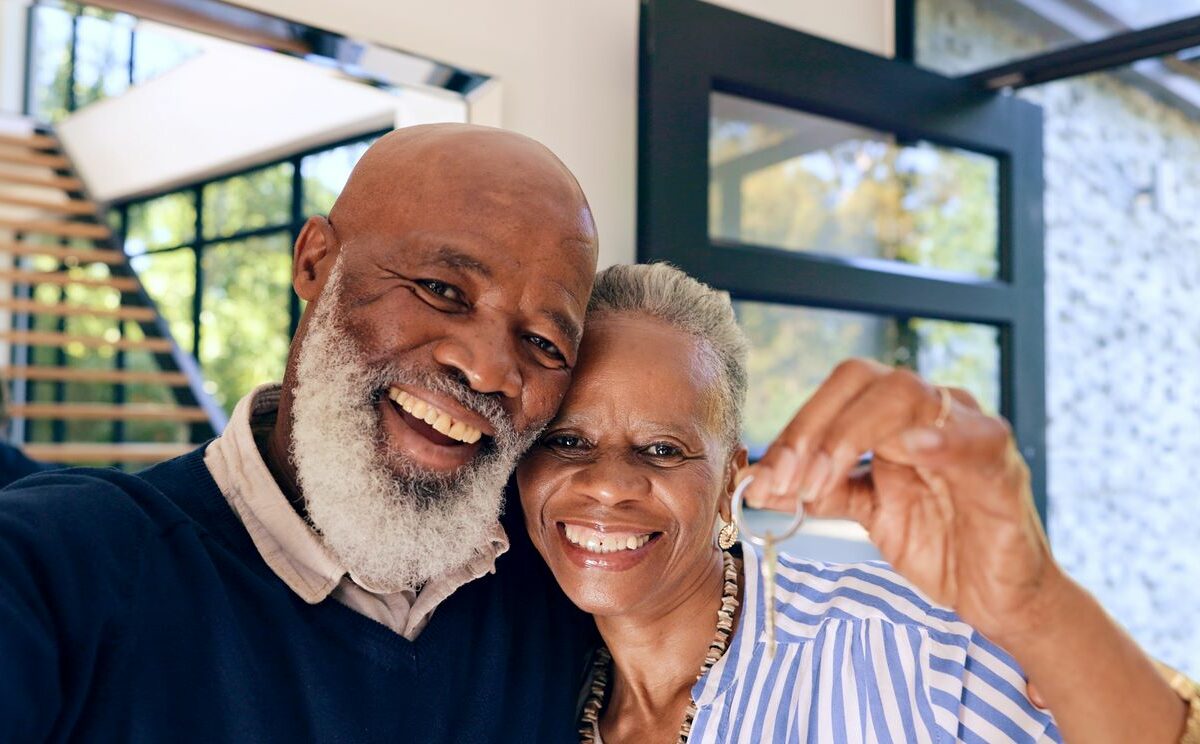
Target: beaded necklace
602,663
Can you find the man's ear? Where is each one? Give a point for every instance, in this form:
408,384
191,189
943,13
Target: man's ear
737,462
313,257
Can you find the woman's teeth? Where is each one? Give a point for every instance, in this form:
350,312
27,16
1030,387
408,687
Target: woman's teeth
595,541
441,421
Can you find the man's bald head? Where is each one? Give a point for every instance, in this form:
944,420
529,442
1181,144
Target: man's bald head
456,170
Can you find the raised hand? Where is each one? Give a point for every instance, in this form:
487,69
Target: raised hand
947,501
946,498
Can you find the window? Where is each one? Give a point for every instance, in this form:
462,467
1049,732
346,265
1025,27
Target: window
247,284
852,206
793,348
216,257
251,201
103,49
784,178
325,174
80,54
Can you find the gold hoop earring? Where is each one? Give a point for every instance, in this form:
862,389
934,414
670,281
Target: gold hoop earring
728,536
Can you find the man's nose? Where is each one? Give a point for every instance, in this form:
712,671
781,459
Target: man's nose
487,358
610,480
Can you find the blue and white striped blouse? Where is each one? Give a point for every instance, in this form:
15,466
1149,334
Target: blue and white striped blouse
862,656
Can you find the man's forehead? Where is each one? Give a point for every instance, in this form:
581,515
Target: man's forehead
562,276
567,262
461,260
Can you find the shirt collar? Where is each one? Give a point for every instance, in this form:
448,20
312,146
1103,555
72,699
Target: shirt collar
288,544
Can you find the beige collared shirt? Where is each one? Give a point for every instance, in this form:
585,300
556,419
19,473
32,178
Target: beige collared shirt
295,552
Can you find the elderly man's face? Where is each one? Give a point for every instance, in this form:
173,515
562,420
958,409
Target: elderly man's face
492,294
449,287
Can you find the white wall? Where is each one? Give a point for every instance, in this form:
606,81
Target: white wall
569,70
225,108
12,56
866,24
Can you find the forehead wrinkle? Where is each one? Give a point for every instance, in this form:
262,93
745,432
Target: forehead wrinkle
599,400
452,258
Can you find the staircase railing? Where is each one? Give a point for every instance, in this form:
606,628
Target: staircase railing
194,406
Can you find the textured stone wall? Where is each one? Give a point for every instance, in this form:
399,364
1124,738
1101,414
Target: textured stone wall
1122,330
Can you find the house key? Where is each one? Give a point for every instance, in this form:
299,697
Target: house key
770,556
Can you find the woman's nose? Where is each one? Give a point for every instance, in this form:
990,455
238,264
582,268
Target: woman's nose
611,481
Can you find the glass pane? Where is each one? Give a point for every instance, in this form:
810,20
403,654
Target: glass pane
50,60
141,393
251,200
796,181
101,56
793,349
244,320
170,280
947,40
156,53
325,174
161,223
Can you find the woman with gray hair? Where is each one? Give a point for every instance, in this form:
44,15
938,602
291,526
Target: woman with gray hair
627,496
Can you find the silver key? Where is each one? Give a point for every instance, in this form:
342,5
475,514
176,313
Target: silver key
770,555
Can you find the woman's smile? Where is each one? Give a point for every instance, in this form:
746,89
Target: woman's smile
604,547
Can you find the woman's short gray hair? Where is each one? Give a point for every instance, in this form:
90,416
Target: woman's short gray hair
664,293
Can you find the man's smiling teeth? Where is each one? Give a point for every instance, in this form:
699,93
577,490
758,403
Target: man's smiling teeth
594,541
441,421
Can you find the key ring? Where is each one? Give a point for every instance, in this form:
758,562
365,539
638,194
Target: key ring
744,528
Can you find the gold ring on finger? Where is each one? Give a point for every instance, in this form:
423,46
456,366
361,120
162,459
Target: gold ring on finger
947,401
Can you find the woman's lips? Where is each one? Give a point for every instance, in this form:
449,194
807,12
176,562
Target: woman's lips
611,550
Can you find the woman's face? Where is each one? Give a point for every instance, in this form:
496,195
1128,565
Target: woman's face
622,492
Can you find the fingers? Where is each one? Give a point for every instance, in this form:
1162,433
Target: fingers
865,406
971,440
892,403
792,455
854,498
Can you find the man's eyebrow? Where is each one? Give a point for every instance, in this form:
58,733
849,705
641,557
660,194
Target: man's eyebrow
566,326
456,259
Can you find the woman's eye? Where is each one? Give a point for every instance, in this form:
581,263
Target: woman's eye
563,442
441,289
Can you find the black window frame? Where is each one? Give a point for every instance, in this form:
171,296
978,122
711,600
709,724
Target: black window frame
291,227
79,10
690,49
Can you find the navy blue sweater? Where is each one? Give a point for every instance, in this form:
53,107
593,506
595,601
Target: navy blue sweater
135,608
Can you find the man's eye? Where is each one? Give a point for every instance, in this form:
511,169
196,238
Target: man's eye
546,347
441,289
663,450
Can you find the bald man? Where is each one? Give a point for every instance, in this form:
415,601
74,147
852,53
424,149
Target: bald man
334,566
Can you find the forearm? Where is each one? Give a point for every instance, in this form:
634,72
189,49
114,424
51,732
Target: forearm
1098,684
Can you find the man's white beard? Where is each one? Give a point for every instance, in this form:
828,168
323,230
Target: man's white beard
392,526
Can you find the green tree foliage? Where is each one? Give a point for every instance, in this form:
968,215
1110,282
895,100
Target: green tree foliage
864,197
250,201
99,42
244,321
246,295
